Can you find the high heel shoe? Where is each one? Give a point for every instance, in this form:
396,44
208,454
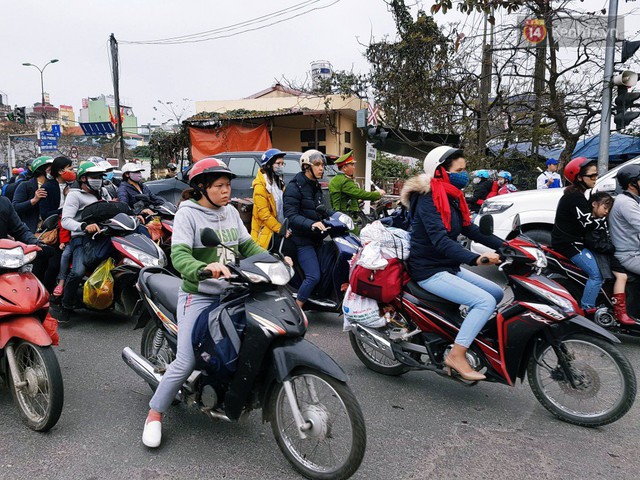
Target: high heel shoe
470,374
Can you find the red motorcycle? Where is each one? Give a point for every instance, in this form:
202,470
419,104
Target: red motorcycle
573,367
27,361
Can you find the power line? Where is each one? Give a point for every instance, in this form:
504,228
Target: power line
219,33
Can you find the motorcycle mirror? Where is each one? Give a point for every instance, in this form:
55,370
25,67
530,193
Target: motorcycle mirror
486,224
283,234
322,210
50,222
209,237
517,225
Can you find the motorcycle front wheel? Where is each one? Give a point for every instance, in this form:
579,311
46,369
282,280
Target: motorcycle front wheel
336,438
604,383
41,399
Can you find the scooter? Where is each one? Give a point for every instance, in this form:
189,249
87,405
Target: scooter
334,254
27,362
573,366
315,418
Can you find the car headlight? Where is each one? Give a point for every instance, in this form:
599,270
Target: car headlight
541,259
141,257
557,300
347,220
494,207
15,258
278,272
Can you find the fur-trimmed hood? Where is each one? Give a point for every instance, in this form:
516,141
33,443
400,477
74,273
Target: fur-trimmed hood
418,184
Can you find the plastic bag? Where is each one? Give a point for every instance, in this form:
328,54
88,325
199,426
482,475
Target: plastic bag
371,257
98,289
155,229
393,242
362,310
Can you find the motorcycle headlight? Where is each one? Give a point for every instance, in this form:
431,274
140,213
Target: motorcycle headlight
15,258
254,277
347,220
541,259
346,243
494,207
144,258
278,272
557,300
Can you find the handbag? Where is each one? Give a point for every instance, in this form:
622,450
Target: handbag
382,285
49,237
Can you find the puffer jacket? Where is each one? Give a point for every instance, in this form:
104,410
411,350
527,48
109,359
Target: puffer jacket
301,198
264,221
433,248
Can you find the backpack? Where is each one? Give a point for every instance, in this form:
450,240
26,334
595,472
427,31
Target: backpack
102,211
217,338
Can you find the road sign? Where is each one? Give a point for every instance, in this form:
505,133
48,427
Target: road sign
49,147
48,136
361,118
97,128
55,129
534,30
73,153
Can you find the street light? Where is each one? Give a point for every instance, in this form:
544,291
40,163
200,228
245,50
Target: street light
41,70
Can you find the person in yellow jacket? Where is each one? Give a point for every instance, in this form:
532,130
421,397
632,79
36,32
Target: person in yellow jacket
268,188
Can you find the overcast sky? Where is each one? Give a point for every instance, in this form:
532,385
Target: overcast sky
77,31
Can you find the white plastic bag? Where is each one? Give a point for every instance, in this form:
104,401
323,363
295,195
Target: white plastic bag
362,310
371,257
393,242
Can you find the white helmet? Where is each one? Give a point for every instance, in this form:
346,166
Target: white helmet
311,156
132,167
437,157
106,165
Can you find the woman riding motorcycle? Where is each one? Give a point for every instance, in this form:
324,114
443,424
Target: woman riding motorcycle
573,220
439,214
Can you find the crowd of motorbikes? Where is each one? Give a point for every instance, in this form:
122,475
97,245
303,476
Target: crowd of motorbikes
572,363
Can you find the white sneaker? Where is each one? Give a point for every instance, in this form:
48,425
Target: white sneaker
152,434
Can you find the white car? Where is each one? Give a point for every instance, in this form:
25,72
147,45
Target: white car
536,209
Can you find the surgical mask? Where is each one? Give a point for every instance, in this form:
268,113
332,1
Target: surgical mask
135,176
68,176
278,169
108,175
459,179
94,183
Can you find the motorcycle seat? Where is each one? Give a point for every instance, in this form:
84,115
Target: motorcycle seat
164,288
451,309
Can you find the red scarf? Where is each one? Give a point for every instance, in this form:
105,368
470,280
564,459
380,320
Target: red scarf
442,190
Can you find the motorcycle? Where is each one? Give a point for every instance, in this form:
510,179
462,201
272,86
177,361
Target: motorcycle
334,256
27,362
165,212
573,366
315,418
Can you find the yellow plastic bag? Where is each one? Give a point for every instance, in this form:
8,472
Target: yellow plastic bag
98,289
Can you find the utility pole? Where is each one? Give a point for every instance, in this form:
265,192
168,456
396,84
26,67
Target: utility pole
485,86
605,117
539,78
116,94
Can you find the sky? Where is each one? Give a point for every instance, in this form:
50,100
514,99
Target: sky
76,32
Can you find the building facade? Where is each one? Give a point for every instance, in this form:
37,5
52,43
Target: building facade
102,109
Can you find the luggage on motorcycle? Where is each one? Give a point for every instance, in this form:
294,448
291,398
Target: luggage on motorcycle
381,285
101,211
393,242
98,289
96,250
217,337
362,310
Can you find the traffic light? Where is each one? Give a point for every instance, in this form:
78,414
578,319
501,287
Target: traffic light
625,99
377,135
20,114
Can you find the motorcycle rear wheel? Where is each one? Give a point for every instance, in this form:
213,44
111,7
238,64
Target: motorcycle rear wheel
165,355
606,382
337,439
376,361
40,401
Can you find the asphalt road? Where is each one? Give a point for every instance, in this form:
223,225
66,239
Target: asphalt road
418,425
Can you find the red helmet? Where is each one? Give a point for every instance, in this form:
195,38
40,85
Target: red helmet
209,165
572,169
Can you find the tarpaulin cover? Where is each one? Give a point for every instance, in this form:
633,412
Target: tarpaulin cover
231,138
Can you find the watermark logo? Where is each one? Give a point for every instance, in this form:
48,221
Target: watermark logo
569,31
534,31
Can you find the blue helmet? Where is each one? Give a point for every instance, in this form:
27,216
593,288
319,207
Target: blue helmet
482,173
504,174
270,155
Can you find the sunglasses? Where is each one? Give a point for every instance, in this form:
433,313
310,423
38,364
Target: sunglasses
593,176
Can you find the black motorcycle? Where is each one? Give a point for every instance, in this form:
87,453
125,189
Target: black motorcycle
315,418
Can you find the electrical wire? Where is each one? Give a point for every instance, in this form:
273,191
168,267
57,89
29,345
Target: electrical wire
241,27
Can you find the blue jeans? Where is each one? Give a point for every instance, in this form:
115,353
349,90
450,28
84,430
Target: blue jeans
466,288
308,260
77,271
65,260
587,263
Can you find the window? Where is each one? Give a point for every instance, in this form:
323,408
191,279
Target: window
242,166
310,135
321,148
347,137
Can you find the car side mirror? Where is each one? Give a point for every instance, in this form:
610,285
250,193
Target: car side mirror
608,185
486,225
209,237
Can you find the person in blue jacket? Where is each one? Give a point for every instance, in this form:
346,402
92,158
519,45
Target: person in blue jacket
132,185
30,192
439,214
57,187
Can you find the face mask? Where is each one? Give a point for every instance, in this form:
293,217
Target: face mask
109,175
49,176
278,169
135,176
68,176
94,183
459,179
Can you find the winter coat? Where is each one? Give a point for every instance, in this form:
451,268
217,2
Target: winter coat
264,222
30,214
301,198
50,205
10,224
433,248
127,194
481,192
573,220
345,193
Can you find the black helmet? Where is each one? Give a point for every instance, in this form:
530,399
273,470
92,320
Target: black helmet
172,166
628,174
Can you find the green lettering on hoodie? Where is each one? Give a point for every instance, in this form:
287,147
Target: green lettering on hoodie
189,255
